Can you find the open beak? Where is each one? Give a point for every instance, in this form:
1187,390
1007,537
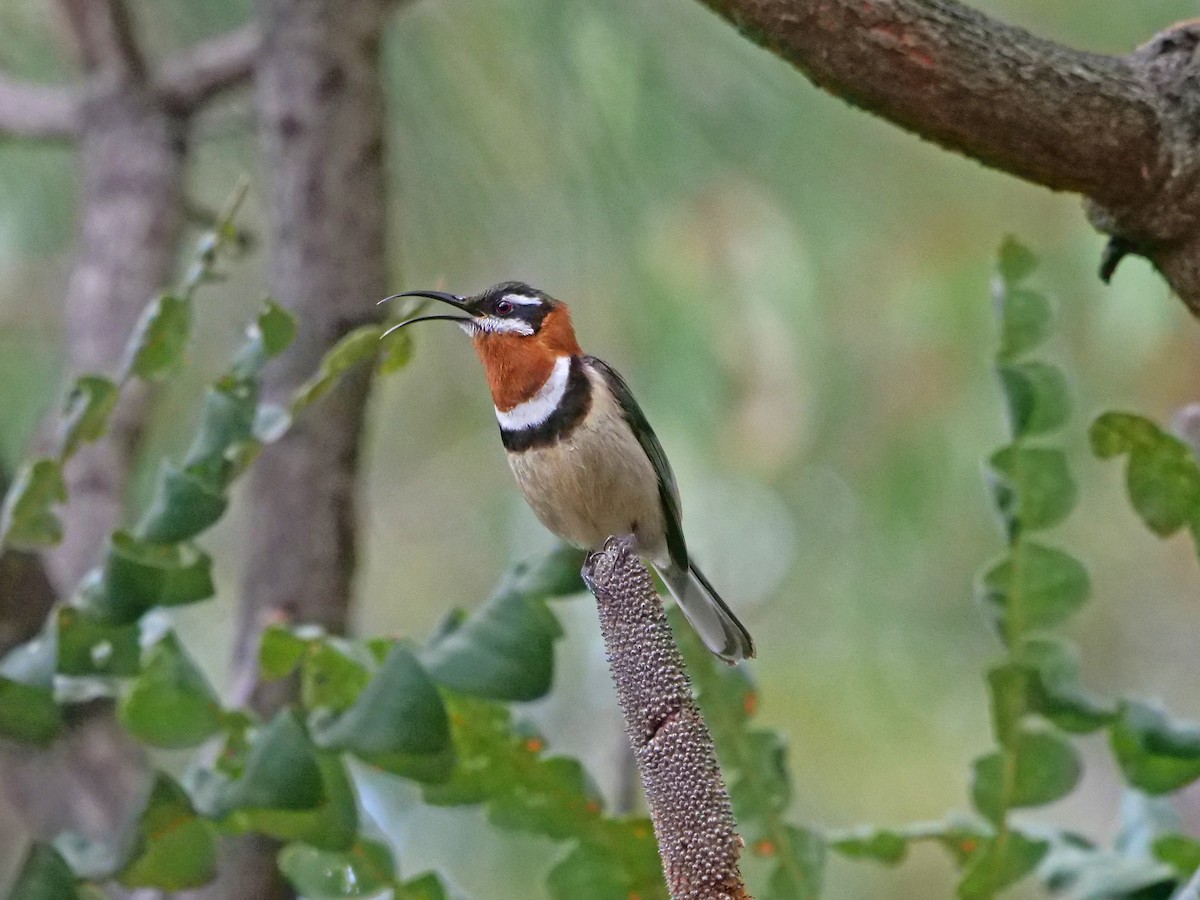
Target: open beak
453,299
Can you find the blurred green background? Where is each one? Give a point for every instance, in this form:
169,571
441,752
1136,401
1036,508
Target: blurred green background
798,294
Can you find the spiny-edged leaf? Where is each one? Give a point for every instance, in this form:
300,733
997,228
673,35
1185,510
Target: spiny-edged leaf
1180,851
89,646
27,519
170,704
1026,320
877,844
28,713
219,449
86,412
1002,862
1055,690
1162,477
503,651
182,507
1035,587
281,771
1156,755
331,679
398,713
1016,261
1032,487
44,875
139,575
1038,767
1036,397
800,865
159,339
174,849
279,652
424,887
358,346
395,351
363,870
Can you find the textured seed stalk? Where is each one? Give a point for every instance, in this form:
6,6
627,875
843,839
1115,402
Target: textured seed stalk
689,804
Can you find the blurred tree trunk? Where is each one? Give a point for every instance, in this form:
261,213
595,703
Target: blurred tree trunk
131,128
320,113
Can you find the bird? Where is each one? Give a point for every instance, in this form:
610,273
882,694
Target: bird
585,458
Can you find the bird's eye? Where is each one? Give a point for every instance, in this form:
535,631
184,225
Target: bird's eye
503,307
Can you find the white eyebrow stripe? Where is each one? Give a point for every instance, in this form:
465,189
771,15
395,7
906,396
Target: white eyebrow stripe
522,299
541,406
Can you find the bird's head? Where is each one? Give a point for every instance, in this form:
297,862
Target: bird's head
519,333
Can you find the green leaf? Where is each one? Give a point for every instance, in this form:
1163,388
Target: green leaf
1036,397
27,520
424,887
159,339
1017,262
876,844
279,652
1180,852
174,849
1032,487
1009,686
395,351
1055,690
182,507
503,651
87,646
358,346
1037,768
1162,477
800,866
86,412
44,875
170,704
759,783
332,825
281,771
1034,587
1156,755
1026,320
363,870
275,327
139,576
332,680
398,715
1002,862
28,712
588,872
219,449
549,804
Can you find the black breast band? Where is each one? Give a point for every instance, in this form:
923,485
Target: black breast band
575,403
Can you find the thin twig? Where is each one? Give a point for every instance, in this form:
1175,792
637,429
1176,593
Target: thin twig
39,111
196,75
689,803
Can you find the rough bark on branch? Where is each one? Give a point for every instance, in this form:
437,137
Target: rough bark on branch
1120,130
38,112
690,806
104,34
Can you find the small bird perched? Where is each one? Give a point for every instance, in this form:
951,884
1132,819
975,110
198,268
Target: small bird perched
584,455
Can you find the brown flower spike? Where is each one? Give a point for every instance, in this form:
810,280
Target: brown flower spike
690,806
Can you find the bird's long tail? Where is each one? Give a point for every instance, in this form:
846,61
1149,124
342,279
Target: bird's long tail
715,622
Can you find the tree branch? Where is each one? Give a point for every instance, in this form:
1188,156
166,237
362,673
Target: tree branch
211,67
39,111
1121,130
104,32
690,806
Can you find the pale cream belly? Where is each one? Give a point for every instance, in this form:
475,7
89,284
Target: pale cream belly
594,483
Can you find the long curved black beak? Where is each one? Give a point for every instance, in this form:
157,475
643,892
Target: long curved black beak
453,299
